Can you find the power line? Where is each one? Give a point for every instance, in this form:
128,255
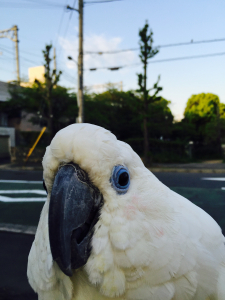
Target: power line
60,24
192,43
25,52
68,75
69,80
188,57
69,19
42,2
67,26
11,52
97,2
5,58
7,70
110,52
160,46
37,4
158,61
4,49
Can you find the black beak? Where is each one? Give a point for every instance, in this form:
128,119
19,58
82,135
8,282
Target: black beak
74,210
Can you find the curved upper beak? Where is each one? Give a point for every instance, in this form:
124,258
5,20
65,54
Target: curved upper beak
74,210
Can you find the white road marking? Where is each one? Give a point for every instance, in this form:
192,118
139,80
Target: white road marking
214,178
20,181
9,199
39,192
22,199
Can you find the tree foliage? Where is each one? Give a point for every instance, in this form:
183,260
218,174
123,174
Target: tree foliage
146,52
33,100
51,80
120,113
206,113
205,107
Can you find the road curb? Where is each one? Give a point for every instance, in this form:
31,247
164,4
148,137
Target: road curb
16,228
9,167
186,170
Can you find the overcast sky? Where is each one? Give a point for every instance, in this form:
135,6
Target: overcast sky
114,26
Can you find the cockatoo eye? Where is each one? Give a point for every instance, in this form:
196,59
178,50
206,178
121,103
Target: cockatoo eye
120,179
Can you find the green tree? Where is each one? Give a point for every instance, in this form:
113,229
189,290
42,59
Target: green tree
146,52
119,112
113,110
50,104
205,112
51,80
202,106
33,100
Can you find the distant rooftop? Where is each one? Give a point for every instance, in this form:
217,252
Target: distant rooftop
34,73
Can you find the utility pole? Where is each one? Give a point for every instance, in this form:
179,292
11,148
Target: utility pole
80,65
17,53
12,34
80,100
54,58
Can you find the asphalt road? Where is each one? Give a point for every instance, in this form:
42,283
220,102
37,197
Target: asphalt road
169,179
191,180
14,248
21,175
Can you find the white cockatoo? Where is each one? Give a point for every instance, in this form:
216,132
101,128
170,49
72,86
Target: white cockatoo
111,230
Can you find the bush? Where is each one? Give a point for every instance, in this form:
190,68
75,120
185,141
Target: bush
161,151
207,151
28,138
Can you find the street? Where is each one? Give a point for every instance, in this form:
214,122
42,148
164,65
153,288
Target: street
13,264
22,197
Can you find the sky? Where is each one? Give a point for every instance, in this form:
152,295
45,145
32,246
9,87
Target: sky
114,26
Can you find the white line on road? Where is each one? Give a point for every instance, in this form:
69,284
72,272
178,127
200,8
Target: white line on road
9,199
39,192
214,178
20,181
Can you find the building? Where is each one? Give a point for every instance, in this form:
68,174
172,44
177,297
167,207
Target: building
7,134
34,73
11,127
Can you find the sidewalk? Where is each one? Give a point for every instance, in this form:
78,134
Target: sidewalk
213,166
22,166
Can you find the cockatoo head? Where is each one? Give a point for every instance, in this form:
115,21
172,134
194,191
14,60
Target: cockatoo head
101,200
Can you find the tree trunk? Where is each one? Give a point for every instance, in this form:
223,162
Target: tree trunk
50,120
146,143
219,130
50,114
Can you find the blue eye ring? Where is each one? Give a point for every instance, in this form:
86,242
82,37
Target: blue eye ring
120,179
